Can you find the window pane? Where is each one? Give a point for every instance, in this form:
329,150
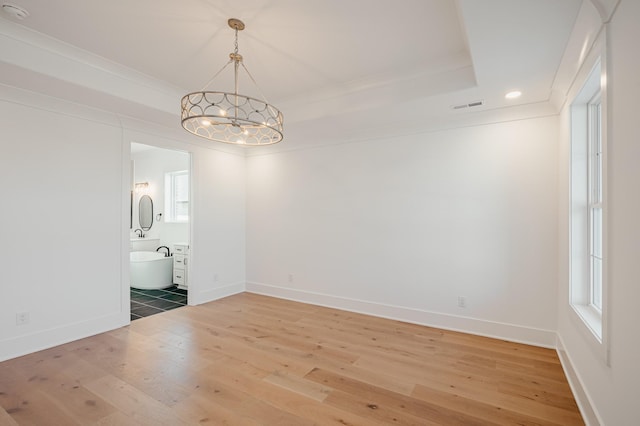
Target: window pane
597,148
596,232
596,282
182,187
177,196
597,178
182,211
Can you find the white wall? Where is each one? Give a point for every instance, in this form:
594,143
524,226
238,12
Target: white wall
402,227
611,391
61,222
218,231
64,225
151,166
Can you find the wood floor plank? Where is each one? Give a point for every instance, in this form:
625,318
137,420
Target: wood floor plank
351,353
133,403
547,397
289,401
398,403
373,413
6,419
255,360
481,410
159,377
37,408
221,343
299,385
75,399
118,419
246,393
200,408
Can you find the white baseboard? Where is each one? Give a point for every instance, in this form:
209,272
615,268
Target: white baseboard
218,293
510,332
589,415
45,339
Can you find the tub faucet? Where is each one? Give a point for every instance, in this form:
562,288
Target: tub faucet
168,252
140,235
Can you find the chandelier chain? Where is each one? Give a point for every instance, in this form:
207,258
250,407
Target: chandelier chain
236,44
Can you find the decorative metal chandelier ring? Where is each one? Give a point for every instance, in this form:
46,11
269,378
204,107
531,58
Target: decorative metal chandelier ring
240,122
231,117
225,95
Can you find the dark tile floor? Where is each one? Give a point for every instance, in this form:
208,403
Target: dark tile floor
149,302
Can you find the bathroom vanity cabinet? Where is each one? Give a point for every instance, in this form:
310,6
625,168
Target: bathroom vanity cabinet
180,262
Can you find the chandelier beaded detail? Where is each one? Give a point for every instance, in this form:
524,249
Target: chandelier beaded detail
230,117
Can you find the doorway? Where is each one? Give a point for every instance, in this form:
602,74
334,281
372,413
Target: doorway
159,229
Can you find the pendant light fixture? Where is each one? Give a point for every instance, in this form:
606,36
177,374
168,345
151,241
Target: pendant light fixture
230,117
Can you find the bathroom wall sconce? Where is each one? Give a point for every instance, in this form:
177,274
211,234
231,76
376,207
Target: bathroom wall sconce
142,187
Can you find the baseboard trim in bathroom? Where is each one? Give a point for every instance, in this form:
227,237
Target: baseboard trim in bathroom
150,302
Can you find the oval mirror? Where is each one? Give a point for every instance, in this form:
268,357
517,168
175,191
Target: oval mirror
145,212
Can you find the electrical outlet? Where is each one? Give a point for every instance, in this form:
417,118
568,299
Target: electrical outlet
22,318
290,278
462,302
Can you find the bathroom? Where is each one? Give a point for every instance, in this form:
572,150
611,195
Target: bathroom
159,229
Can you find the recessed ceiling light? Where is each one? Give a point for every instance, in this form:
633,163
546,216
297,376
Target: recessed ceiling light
513,95
15,11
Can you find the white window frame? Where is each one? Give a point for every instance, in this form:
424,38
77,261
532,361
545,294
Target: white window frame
170,201
596,192
588,197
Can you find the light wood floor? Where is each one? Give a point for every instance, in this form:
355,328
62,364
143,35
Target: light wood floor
249,360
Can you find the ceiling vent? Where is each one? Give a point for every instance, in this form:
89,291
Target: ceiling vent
469,105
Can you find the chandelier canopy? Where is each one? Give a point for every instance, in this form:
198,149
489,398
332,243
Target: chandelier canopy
230,117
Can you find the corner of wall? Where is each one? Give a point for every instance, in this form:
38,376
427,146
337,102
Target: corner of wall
589,414
217,293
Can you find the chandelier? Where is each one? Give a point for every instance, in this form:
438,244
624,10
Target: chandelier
230,117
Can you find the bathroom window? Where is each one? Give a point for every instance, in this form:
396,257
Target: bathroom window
176,198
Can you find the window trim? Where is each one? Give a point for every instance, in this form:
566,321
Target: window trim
596,192
591,322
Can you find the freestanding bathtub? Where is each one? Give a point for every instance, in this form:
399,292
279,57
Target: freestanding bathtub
150,270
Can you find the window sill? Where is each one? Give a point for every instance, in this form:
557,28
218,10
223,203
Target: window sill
591,318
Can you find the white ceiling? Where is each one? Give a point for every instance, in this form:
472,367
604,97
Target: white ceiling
406,60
